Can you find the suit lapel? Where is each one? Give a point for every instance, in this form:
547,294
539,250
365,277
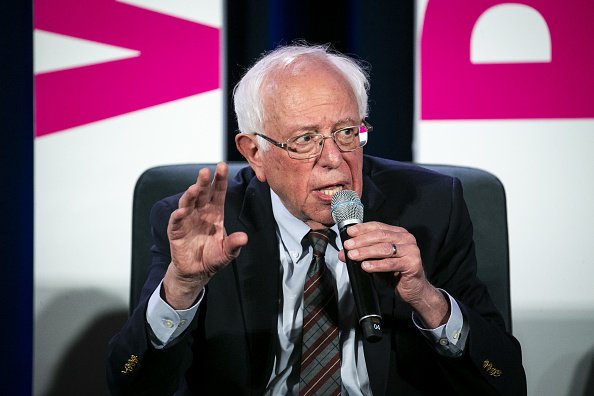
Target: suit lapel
257,271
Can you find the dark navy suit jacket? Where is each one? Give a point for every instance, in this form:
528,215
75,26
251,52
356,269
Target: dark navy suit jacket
229,347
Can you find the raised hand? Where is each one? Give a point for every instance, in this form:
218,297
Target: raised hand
199,244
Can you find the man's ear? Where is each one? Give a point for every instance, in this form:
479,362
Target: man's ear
248,147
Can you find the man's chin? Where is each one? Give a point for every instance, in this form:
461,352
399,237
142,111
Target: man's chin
321,220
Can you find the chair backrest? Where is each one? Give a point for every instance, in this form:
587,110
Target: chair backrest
483,192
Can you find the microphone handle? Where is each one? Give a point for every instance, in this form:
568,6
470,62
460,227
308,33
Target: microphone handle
366,301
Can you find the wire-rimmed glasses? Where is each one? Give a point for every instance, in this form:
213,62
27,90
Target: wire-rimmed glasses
310,145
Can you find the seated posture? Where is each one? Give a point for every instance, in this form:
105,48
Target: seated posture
248,292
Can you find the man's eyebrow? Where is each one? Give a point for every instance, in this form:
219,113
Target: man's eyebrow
348,121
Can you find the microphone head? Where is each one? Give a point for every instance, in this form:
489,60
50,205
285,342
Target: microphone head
346,206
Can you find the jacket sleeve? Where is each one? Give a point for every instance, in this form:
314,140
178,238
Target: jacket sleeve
134,367
490,351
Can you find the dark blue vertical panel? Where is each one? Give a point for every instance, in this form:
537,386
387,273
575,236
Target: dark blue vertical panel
383,35
16,197
317,22
378,32
277,23
246,37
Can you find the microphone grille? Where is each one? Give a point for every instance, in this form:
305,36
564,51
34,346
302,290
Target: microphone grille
346,205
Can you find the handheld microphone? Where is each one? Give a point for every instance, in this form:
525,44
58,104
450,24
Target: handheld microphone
347,210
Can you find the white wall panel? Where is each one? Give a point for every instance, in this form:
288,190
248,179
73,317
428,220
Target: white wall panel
85,176
546,165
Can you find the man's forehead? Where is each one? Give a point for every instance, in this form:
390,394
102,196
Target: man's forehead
334,124
313,97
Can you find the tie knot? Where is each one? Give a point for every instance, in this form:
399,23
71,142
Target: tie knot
319,240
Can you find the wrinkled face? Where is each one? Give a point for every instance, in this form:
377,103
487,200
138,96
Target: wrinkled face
314,97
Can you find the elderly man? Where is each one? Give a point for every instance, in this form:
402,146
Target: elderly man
224,309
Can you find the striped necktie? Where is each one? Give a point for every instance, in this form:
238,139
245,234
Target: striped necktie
320,353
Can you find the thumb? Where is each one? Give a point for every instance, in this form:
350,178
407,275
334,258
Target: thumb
233,244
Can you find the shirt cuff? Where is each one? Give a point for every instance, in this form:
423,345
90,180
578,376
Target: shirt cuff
448,339
166,323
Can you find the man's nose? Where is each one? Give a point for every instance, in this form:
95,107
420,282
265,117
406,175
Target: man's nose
331,154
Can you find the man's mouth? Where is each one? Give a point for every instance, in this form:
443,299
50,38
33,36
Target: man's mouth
330,191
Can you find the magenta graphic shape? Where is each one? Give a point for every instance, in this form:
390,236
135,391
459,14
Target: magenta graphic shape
178,58
454,88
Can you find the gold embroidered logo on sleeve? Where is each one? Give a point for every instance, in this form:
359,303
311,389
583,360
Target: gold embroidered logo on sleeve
130,364
492,371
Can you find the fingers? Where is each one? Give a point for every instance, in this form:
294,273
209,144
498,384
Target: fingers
189,200
383,248
190,196
219,184
408,258
374,229
205,191
206,195
377,240
175,220
393,253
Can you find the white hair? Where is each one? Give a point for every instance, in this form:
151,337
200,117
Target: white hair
247,95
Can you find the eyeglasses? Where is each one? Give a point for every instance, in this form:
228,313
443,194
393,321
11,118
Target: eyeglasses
310,145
